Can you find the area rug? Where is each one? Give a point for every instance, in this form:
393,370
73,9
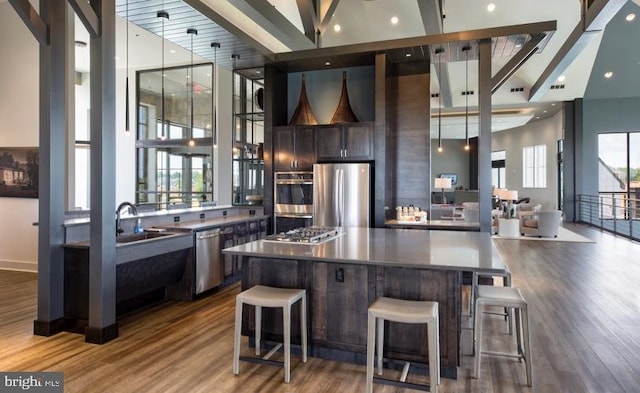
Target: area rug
564,235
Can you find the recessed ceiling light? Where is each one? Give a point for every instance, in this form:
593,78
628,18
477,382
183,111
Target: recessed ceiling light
172,51
327,63
561,78
608,74
258,72
408,55
630,17
553,104
337,28
537,117
518,45
544,111
491,7
394,20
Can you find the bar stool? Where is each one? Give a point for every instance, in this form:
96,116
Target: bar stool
262,296
509,297
405,311
506,281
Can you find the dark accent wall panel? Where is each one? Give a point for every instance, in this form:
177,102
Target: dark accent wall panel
408,111
473,163
382,197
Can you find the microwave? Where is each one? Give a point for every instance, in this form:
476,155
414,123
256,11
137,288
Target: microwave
293,194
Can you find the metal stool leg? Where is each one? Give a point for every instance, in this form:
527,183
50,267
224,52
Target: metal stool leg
303,327
286,316
527,351
434,369
236,338
258,328
380,345
371,342
477,337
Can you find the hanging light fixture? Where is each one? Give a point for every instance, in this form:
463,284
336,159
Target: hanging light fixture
439,52
193,32
127,130
214,127
163,134
466,50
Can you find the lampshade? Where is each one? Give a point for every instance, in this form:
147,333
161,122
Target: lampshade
497,192
510,195
442,182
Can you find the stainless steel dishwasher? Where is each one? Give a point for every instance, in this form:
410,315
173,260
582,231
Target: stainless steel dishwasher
209,259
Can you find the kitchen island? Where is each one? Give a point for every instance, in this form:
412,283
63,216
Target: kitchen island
343,276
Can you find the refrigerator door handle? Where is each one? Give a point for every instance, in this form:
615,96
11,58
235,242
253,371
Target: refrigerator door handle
341,197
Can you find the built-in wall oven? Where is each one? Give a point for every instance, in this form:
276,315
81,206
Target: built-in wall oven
293,200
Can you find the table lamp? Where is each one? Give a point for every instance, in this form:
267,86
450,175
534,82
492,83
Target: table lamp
510,195
442,183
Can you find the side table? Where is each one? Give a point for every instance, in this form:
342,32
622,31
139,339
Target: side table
508,227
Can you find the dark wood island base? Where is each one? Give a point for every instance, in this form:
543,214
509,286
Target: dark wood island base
339,295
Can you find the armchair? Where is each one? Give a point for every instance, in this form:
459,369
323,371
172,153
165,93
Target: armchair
540,223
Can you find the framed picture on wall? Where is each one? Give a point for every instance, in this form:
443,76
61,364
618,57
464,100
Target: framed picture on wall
19,172
452,176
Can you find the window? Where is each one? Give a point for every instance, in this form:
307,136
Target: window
619,173
498,169
534,166
175,136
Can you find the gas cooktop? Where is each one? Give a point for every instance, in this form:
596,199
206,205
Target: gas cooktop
306,235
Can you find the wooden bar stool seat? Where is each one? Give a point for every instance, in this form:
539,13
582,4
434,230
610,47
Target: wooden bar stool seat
405,311
263,296
511,298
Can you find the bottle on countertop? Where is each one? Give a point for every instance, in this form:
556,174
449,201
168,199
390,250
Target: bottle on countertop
138,228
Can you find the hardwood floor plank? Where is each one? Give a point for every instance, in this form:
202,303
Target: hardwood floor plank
585,335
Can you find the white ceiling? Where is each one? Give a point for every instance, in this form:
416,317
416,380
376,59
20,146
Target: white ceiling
364,21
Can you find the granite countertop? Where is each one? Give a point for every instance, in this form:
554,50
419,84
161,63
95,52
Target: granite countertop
201,225
447,250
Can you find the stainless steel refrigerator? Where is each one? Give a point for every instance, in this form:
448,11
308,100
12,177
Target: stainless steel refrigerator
341,195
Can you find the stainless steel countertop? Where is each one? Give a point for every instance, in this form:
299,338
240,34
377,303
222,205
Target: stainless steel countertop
200,225
447,250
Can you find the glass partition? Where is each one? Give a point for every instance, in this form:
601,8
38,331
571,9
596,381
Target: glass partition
175,136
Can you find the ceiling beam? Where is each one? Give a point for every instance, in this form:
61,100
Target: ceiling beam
308,17
207,11
426,40
596,18
329,7
515,62
445,86
88,16
32,20
269,18
431,14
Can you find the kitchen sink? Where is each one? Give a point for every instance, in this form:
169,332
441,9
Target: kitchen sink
136,237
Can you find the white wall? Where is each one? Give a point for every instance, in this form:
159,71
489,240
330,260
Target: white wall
547,132
222,159
19,122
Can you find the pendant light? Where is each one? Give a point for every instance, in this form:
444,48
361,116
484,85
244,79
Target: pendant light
466,50
214,127
163,134
439,52
192,32
127,130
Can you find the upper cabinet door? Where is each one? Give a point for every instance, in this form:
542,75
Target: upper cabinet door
283,149
329,143
345,142
358,141
294,148
304,148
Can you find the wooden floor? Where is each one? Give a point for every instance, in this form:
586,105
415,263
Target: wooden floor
584,303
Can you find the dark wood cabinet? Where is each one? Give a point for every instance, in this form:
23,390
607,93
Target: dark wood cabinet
341,292
294,148
345,142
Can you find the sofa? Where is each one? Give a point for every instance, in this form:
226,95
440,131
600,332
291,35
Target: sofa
540,223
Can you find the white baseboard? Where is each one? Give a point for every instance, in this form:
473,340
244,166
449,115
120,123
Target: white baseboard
19,266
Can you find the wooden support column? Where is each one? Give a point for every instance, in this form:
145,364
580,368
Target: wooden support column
102,268
54,62
484,133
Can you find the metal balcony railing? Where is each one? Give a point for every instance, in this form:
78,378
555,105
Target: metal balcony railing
611,211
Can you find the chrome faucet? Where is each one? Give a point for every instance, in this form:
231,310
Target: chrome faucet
132,210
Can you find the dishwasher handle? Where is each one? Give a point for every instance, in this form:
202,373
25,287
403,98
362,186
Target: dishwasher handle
209,235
